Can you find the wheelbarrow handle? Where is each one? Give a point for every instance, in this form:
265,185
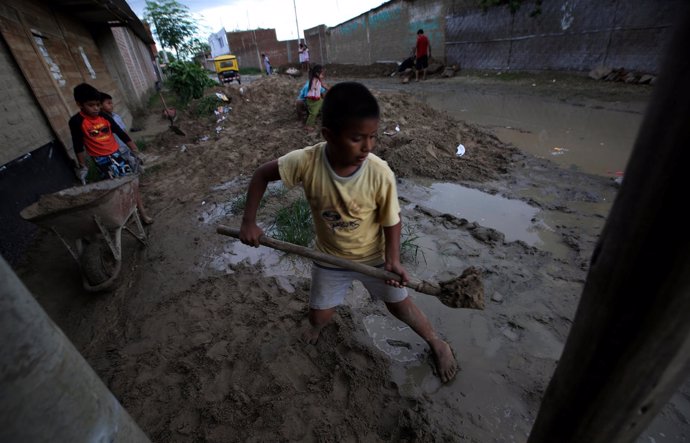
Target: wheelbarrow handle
418,285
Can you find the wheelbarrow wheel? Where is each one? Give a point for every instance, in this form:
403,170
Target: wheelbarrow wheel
97,263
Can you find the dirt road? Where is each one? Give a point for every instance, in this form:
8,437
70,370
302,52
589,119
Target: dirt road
200,340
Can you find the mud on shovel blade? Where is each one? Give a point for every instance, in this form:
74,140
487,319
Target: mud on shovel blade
466,291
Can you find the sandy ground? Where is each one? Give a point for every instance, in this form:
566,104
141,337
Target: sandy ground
200,339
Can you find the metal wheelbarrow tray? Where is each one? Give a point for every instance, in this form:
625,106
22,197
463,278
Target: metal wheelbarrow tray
89,221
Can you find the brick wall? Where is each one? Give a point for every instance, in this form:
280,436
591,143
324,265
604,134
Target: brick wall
23,127
245,44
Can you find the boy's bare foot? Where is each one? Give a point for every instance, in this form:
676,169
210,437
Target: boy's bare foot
444,360
311,334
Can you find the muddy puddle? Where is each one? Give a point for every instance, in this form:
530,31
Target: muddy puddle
595,139
514,218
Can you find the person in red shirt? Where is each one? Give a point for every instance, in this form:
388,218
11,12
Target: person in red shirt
422,54
92,131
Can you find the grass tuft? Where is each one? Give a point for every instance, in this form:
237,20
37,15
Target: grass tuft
293,224
409,249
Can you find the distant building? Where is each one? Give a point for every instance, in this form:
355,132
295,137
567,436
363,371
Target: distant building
219,43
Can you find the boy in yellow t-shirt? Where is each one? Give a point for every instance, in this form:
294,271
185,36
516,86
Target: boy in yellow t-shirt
354,204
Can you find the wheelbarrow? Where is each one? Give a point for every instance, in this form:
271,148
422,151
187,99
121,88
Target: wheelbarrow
89,221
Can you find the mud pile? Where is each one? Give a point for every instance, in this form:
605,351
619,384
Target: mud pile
262,125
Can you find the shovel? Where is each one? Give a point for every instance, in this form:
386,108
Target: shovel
465,291
170,114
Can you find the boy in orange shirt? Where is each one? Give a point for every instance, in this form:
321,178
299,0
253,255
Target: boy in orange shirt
92,131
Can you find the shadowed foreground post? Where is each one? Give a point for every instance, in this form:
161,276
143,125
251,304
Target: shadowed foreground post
48,392
629,347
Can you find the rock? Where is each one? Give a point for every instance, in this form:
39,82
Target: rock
434,68
630,78
293,72
600,72
646,78
497,297
448,72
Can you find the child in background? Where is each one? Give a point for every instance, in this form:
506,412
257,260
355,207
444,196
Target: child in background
267,64
304,57
93,130
312,93
133,161
354,203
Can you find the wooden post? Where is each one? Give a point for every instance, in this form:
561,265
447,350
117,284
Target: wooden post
629,347
47,390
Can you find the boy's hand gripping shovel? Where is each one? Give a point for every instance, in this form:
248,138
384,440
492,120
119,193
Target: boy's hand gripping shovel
465,291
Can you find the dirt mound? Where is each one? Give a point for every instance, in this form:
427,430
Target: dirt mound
232,363
362,71
262,125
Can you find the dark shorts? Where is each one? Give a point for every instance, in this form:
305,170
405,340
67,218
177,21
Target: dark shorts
111,166
422,62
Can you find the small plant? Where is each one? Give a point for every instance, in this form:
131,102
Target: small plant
409,249
294,224
206,105
188,80
142,144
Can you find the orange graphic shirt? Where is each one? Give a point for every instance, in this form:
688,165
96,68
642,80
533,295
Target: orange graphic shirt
95,134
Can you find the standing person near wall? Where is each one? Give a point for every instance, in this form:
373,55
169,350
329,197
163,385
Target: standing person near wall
422,54
304,56
267,64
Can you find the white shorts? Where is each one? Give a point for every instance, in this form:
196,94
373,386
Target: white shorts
329,287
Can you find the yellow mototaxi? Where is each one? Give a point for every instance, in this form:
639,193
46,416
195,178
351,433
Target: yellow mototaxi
227,68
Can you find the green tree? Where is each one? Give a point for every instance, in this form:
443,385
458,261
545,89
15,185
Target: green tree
194,46
172,21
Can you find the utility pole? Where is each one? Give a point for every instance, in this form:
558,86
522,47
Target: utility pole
48,391
628,350
294,5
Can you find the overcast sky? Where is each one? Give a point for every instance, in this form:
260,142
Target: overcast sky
279,14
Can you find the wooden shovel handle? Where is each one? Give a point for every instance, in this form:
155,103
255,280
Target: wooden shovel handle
418,285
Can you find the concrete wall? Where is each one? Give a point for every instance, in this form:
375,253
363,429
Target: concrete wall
388,32
316,41
568,35
23,126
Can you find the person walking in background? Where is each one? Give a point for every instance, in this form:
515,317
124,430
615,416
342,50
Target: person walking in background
267,64
304,56
422,54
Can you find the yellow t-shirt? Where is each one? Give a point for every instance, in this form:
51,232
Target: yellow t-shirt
349,212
